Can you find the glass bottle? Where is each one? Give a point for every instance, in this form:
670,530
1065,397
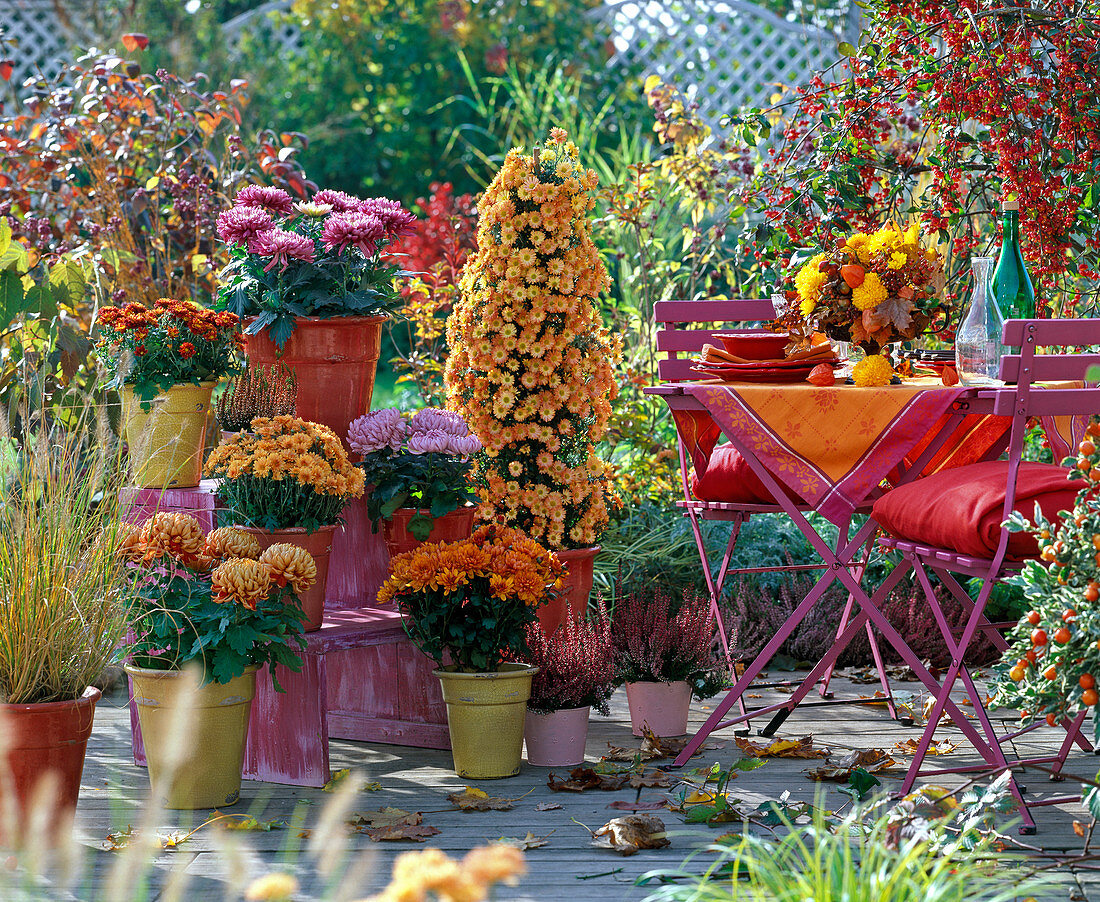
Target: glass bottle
1011,283
978,347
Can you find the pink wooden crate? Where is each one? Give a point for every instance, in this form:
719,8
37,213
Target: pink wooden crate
139,504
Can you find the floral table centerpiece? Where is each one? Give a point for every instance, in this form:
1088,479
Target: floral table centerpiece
207,613
287,481
870,289
419,468
532,367
467,606
165,362
316,286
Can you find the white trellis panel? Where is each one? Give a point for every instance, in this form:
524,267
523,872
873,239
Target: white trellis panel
45,34
266,22
729,53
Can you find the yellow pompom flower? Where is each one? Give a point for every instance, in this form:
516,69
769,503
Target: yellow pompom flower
809,282
897,260
870,294
241,581
291,565
857,244
872,370
228,541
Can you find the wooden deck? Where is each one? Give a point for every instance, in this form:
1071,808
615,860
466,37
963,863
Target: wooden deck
419,779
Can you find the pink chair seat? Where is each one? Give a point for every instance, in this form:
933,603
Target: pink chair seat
728,478
962,508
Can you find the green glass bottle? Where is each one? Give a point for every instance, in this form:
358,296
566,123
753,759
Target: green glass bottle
1011,283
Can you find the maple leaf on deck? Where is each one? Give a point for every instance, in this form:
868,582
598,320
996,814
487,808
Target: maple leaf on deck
474,799
530,841
782,748
582,779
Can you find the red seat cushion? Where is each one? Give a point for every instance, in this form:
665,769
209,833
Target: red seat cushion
728,478
961,509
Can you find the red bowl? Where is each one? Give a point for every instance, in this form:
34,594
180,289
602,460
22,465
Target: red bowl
755,345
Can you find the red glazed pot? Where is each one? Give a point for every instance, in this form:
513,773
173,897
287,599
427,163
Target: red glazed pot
46,744
576,587
556,739
318,544
663,707
452,527
334,362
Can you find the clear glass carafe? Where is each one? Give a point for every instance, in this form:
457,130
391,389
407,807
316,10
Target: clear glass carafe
978,346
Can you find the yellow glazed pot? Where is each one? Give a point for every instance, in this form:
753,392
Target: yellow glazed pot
166,441
485,715
194,735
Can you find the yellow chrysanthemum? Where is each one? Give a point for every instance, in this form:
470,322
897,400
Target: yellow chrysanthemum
857,244
290,564
242,581
175,535
870,294
228,541
872,370
897,260
809,282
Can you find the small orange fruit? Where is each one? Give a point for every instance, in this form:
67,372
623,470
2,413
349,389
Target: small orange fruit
1092,593
1051,720
1089,697
1016,674
1062,635
1086,448
1051,672
1038,637
1086,681
1033,618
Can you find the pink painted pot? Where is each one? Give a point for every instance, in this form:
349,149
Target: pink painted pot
556,739
319,545
663,707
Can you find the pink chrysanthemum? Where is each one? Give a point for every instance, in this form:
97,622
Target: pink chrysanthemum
361,230
282,247
274,200
431,418
395,218
340,201
377,431
465,445
435,441
241,224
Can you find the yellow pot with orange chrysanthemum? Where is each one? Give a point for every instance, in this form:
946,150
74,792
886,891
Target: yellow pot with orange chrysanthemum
166,435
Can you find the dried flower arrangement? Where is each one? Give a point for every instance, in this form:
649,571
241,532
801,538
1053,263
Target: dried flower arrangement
576,665
260,391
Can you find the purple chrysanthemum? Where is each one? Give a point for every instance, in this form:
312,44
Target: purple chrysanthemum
241,224
396,219
274,200
435,441
340,201
428,418
282,247
360,230
465,445
377,431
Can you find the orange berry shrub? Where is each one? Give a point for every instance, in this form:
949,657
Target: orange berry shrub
532,368
213,600
1051,668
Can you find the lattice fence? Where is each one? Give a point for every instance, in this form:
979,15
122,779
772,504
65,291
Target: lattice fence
730,53
45,34
267,25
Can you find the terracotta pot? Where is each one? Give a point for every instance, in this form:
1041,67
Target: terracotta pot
46,744
663,707
166,442
452,527
194,735
576,588
485,717
319,545
334,362
556,739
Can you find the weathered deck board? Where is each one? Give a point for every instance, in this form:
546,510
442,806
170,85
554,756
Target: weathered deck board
419,779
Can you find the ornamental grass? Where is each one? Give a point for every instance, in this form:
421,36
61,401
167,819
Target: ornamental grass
532,368
287,473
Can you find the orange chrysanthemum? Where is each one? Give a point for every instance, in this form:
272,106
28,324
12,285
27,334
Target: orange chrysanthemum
290,564
241,581
174,535
228,541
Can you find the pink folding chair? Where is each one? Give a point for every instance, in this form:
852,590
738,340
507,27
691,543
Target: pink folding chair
680,338
949,524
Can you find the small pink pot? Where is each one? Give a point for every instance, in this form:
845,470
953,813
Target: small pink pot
661,706
556,739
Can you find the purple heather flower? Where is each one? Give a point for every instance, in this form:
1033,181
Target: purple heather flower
241,224
274,200
340,201
282,247
377,431
435,441
359,230
432,418
396,219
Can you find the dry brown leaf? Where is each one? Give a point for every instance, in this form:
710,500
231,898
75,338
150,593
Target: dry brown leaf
654,779
547,806
385,817
909,747
584,778
653,747
397,832
781,748
474,799
621,805
628,834
1079,828
530,841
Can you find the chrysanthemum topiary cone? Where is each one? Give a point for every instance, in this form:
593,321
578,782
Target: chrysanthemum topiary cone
532,367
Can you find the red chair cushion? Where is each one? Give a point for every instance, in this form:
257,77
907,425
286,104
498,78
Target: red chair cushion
729,478
961,509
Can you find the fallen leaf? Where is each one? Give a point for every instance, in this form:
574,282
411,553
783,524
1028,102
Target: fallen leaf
135,41
1079,828
384,817
530,841
621,805
628,834
909,747
655,779
122,839
547,806
474,799
6,69
652,748
869,760
398,832
584,778
248,822
782,748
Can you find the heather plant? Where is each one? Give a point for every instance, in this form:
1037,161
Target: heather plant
576,665
657,640
260,391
